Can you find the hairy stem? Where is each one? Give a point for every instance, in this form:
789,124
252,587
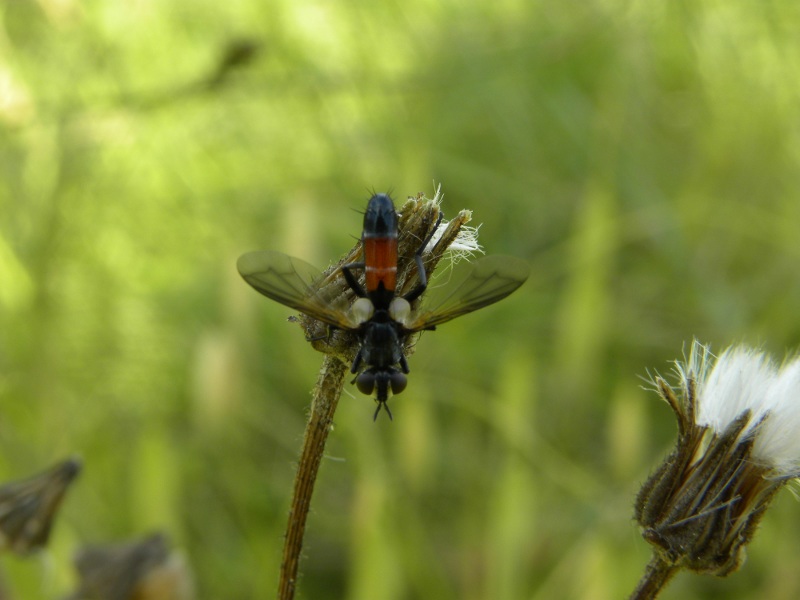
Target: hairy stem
326,397
656,576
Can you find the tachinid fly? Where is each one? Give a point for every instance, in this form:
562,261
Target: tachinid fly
381,318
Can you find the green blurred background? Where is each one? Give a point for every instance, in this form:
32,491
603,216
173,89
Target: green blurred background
643,157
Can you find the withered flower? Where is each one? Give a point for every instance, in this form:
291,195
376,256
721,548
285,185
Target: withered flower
28,507
366,309
419,218
142,570
738,444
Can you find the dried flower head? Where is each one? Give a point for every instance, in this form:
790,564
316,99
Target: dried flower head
142,570
28,507
738,444
366,309
419,218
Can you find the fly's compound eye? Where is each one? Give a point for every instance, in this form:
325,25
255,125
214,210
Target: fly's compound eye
362,310
398,382
400,310
366,383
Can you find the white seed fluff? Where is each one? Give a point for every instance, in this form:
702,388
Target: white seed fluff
741,379
466,242
779,439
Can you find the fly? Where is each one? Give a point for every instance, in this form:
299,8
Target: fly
381,318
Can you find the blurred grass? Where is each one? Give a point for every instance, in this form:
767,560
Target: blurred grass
642,157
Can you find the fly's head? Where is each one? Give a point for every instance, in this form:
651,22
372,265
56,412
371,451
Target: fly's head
381,382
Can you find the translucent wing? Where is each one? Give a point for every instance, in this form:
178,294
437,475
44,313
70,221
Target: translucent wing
488,280
294,283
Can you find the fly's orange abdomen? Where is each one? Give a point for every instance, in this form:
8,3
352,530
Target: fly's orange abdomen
380,259
380,250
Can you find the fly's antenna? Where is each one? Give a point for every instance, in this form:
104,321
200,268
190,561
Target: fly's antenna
378,409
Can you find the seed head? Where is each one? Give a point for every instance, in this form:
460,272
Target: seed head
738,444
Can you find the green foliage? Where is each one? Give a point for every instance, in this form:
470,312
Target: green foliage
643,157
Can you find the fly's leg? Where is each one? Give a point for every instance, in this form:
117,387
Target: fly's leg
403,364
351,279
356,362
329,329
423,276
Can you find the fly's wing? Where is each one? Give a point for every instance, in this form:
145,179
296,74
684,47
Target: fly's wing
486,281
293,283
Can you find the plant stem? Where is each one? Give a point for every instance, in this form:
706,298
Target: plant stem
326,397
655,578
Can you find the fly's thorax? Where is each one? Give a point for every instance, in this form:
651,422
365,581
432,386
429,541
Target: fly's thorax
381,346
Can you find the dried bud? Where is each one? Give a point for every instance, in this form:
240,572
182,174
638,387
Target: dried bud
141,570
28,508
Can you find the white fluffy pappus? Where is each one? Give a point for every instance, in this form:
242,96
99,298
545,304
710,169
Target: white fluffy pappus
779,440
742,379
466,242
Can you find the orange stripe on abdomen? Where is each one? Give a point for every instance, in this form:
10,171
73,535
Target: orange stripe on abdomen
380,258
